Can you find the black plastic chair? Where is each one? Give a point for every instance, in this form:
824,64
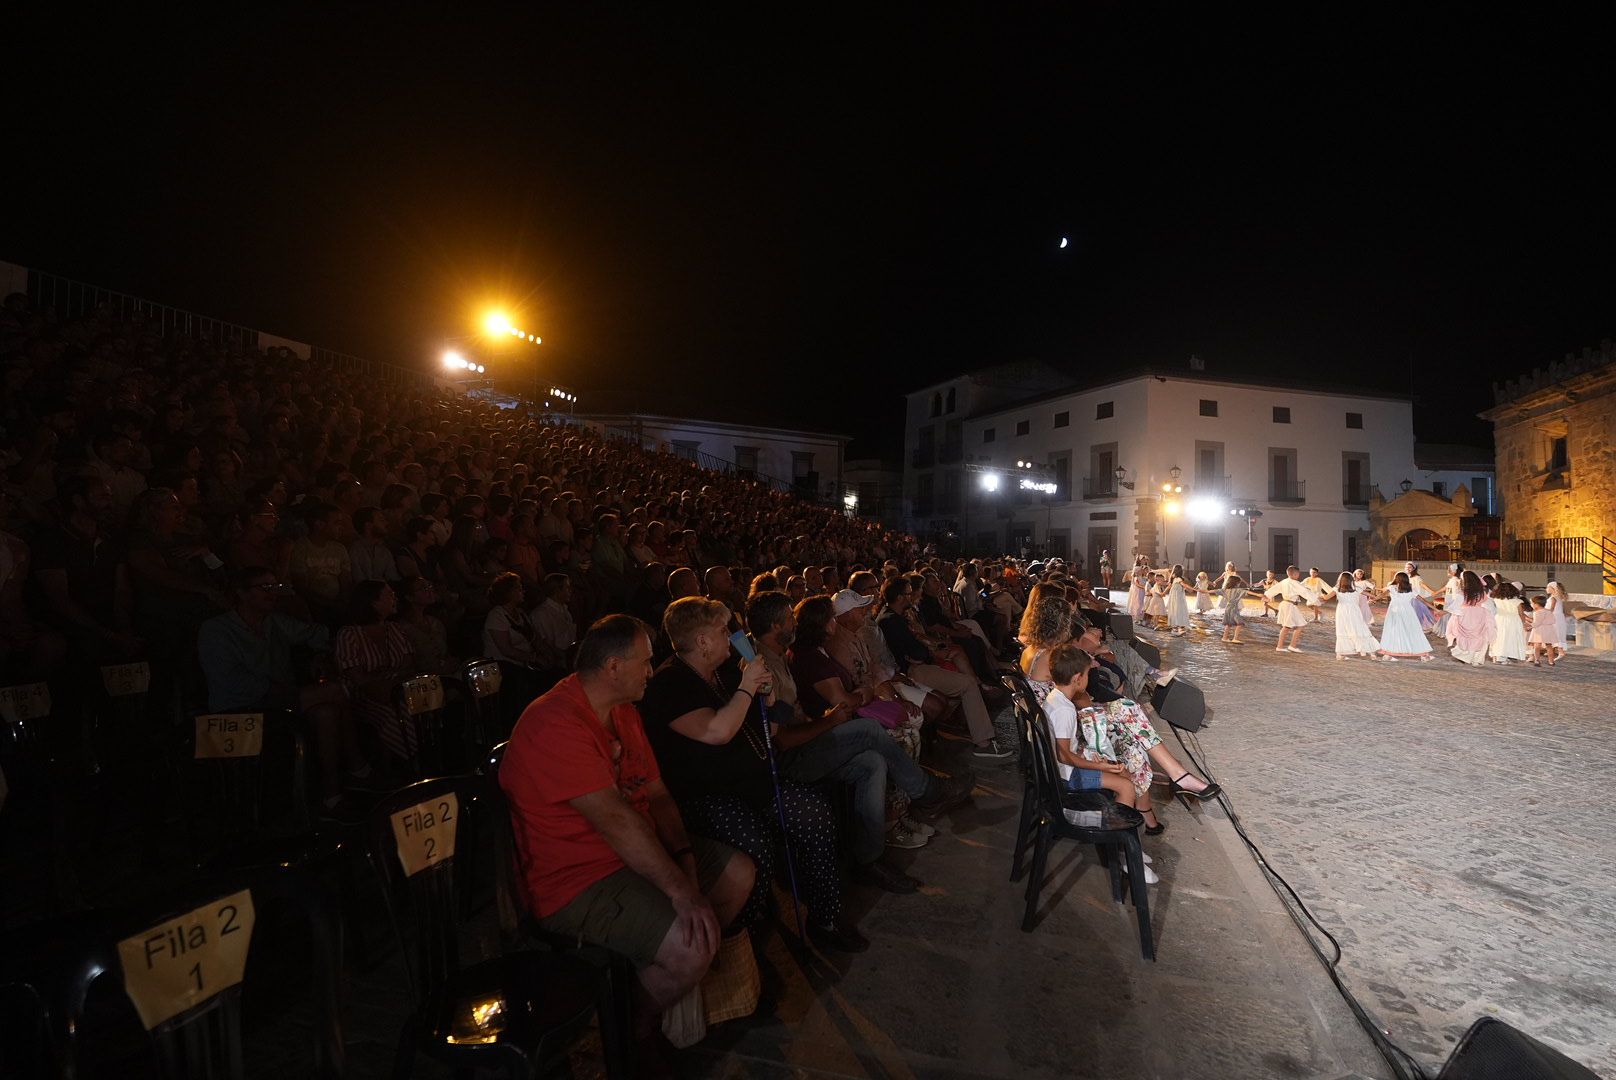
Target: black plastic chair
240,794
59,962
421,706
517,1012
518,928
1116,832
1025,705
485,718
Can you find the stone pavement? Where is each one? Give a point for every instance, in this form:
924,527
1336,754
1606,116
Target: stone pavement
1449,824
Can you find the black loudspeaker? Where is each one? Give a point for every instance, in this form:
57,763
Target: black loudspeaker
1103,593
1148,653
1181,704
1492,1050
1189,551
1121,626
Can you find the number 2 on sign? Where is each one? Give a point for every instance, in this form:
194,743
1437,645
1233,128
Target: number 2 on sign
425,833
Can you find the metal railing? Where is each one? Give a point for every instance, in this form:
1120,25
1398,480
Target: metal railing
1292,491
1099,487
1354,495
1553,549
923,506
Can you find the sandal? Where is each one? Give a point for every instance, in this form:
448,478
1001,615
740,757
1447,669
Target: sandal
1156,829
1211,791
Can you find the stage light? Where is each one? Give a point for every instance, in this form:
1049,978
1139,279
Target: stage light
1204,509
1170,508
990,481
495,322
480,369
453,359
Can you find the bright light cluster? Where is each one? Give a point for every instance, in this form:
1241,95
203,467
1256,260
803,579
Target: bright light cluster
1047,487
557,392
497,323
456,362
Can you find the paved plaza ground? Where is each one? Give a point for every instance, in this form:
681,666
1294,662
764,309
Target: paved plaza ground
1448,824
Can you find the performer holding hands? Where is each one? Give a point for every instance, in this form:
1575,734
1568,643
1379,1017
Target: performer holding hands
1290,592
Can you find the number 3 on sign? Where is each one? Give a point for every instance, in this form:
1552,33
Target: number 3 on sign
185,961
425,833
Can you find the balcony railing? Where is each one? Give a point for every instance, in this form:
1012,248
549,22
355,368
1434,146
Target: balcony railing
1553,549
1099,487
923,457
953,451
1290,491
1354,495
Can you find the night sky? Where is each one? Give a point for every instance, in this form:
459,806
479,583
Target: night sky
796,221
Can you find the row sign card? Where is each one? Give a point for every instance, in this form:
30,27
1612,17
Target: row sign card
179,964
425,833
222,735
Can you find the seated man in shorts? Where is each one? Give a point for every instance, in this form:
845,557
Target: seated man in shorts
603,851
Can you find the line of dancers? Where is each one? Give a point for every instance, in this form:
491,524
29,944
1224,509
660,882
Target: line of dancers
1482,617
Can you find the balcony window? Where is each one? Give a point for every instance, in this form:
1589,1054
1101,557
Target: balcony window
1282,414
1105,410
1209,408
1355,420
1063,419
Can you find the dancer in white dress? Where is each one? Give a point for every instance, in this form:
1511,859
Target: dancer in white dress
1155,598
1352,636
1452,596
1567,625
1177,604
1203,593
1136,594
1366,588
1402,636
1509,643
1321,589
1292,595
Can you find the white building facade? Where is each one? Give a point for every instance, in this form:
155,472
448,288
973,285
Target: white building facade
1302,463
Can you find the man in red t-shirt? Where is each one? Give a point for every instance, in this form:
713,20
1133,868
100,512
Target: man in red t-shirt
602,847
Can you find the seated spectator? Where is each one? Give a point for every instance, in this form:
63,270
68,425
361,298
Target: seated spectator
523,556
322,570
700,716
110,452
428,638
369,557
176,584
721,587
796,588
246,657
463,575
420,555
831,733
921,663
436,507
968,635
27,650
374,657
507,630
683,582
554,631
603,849
82,575
259,543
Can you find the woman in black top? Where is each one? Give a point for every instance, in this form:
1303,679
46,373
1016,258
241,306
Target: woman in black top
701,719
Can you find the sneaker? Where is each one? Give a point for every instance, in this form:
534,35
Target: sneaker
919,828
900,837
1292,648
1150,875
1165,677
990,751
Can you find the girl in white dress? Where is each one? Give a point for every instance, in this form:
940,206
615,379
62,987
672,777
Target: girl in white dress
1178,607
1156,599
1544,628
1203,593
1402,636
1366,589
1321,589
1352,636
1510,641
1566,627
1136,594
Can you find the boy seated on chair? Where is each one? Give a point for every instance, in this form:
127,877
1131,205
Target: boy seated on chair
603,853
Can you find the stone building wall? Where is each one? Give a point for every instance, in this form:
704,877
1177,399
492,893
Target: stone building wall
1582,502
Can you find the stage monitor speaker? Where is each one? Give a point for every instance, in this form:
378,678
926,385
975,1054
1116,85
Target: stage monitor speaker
1121,626
1181,704
1492,1050
1100,620
1148,653
1103,593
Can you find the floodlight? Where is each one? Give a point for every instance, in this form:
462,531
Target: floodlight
990,481
495,322
1204,509
453,359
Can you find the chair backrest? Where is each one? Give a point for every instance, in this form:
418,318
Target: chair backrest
23,709
234,757
1046,777
413,837
483,680
182,961
421,702
1026,703
510,900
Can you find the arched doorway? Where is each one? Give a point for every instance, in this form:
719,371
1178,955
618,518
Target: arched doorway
1416,543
